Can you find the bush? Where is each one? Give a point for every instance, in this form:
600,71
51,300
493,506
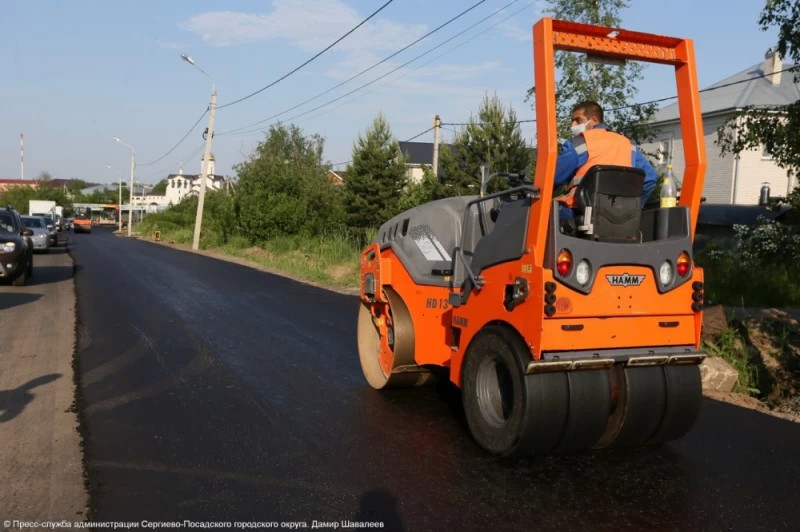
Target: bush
768,242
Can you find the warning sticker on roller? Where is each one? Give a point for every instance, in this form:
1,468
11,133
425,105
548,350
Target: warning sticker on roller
428,244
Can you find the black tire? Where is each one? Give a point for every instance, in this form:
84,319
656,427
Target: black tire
645,403
684,397
22,279
509,413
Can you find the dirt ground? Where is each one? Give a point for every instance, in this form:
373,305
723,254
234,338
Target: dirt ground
771,339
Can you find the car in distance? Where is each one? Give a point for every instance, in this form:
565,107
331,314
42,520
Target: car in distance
52,229
41,235
16,248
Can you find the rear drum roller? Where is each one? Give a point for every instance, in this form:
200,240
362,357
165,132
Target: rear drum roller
509,413
684,396
640,407
589,405
386,344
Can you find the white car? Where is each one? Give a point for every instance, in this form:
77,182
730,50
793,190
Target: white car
41,234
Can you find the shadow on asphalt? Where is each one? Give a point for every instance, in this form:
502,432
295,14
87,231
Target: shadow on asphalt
11,299
13,402
49,274
379,506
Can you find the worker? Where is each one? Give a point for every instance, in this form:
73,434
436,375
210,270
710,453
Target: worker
593,144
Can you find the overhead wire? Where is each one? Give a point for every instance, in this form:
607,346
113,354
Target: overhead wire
440,55
360,73
402,141
658,100
337,41
178,143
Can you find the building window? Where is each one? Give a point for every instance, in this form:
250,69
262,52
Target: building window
765,152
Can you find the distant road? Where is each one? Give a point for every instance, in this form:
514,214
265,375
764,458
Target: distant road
213,391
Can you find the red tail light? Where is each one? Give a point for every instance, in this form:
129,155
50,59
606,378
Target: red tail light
684,264
564,263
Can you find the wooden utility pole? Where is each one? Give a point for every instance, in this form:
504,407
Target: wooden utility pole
437,122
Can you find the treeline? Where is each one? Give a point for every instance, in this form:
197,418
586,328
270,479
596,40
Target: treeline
283,189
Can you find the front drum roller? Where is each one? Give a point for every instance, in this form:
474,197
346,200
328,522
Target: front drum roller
386,344
509,413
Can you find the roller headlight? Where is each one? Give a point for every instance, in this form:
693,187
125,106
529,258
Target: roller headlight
666,273
583,273
8,247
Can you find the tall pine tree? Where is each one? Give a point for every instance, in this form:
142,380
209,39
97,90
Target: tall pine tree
493,138
376,179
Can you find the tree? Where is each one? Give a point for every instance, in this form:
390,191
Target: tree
493,138
20,196
160,187
376,178
777,128
44,176
613,87
282,188
427,189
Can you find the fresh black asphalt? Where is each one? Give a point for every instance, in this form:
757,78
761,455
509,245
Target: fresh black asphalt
213,391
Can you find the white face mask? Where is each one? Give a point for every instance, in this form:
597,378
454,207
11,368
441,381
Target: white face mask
577,130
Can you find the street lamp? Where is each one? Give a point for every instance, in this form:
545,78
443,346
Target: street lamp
130,196
212,107
120,195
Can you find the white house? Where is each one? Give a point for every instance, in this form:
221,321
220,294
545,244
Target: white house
179,187
729,179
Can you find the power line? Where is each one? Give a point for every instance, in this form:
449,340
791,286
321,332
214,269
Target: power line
659,100
418,135
362,72
195,151
337,41
366,84
434,48
407,140
178,143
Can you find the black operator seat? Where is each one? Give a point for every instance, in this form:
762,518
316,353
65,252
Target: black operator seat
609,203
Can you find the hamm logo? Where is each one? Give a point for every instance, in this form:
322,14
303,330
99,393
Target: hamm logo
625,280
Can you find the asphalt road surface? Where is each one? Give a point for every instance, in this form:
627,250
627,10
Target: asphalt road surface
212,391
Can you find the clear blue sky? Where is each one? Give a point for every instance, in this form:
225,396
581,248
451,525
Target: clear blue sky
77,73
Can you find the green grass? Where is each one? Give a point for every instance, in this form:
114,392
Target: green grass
329,259
729,282
731,347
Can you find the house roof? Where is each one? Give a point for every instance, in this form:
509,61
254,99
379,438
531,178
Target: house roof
192,177
420,152
746,88
19,182
417,152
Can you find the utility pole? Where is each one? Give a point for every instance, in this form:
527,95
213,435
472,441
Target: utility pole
21,158
130,196
212,109
437,122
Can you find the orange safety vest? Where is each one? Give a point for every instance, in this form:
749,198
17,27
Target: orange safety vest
603,147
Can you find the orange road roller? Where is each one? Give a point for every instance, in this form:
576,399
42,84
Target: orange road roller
559,340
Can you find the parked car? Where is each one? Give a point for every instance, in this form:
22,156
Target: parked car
51,227
41,235
16,248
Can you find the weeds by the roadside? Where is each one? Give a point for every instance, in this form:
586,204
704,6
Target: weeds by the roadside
731,347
